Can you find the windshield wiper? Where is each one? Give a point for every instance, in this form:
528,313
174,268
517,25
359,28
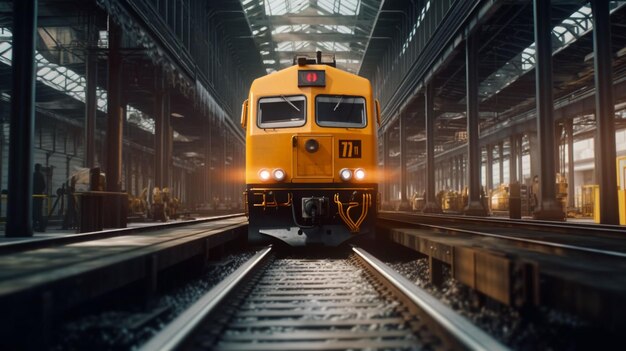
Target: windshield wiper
338,102
290,103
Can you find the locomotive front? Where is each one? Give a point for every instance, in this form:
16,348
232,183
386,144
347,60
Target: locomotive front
310,156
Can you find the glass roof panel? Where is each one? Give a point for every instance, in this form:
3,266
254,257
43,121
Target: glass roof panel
287,29
340,29
67,81
568,31
7,56
284,28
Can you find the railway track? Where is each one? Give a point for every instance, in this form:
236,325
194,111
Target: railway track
354,302
575,269
579,238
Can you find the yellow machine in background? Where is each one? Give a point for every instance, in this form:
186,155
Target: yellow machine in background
451,201
588,201
621,188
417,202
591,195
311,154
500,198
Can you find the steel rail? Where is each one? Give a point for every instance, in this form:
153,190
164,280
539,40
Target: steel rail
583,249
178,330
457,326
594,228
453,328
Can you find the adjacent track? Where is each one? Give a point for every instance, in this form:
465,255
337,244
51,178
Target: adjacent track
319,304
570,267
606,241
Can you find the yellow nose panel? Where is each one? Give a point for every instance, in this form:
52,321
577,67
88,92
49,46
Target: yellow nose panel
314,162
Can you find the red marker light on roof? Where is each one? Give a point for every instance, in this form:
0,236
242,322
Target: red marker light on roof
311,78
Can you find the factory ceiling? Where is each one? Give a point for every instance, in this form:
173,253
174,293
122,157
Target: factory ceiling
282,28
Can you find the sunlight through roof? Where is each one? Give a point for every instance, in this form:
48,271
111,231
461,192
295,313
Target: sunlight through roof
284,28
69,82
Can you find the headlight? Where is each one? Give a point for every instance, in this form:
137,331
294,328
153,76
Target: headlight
345,174
279,174
264,174
359,174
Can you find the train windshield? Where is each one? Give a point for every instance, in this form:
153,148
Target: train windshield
340,111
282,111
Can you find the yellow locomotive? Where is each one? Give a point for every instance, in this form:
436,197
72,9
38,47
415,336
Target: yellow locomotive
310,154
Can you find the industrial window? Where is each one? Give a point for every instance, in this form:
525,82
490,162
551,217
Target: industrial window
340,111
282,111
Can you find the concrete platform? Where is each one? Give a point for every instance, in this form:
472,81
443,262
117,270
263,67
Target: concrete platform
37,286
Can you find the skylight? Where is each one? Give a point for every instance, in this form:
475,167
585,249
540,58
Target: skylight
345,7
566,32
53,75
67,81
281,7
297,26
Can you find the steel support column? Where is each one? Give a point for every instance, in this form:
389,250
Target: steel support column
404,203
455,173
222,181
1,157
19,206
489,168
549,207
458,166
159,116
534,152
430,203
501,161
463,167
451,173
206,180
474,205
386,169
91,102
605,113
168,135
450,178
136,171
115,111
558,133
513,159
128,173
569,129
520,157
209,163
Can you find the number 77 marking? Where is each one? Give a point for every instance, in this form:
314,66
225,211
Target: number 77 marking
346,149
349,148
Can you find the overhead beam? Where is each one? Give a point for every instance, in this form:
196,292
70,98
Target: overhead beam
346,55
60,21
287,20
336,37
